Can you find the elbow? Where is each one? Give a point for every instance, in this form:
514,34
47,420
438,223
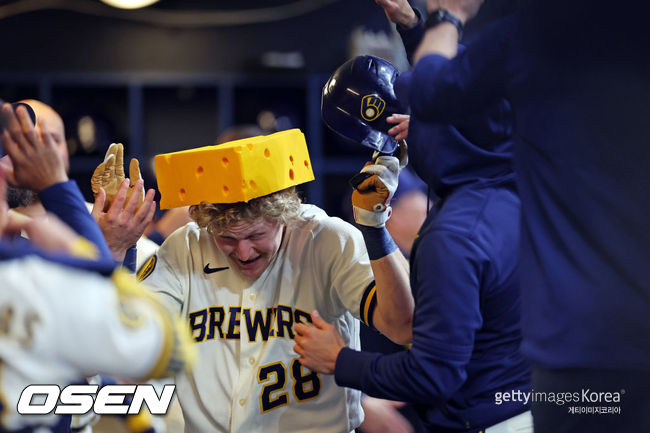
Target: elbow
404,339
451,384
401,333
396,324
440,381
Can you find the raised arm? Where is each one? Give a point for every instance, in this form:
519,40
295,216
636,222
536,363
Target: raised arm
441,36
408,21
37,165
371,198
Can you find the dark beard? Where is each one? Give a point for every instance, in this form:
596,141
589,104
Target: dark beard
20,197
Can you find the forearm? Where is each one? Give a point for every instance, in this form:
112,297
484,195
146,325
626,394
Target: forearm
448,90
412,36
393,315
123,251
66,202
403,376
441,39
129,258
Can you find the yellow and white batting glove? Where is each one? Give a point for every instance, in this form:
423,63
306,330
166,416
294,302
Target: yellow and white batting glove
109,175
371,198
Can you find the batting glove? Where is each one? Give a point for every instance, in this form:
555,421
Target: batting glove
371,198
109,175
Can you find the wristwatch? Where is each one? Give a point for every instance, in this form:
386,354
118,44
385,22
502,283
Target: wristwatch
441,16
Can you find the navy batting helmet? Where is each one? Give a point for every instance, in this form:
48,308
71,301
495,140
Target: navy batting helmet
358,98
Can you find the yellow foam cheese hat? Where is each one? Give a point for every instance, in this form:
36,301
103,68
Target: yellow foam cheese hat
235,171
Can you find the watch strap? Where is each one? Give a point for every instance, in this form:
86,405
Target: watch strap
444,16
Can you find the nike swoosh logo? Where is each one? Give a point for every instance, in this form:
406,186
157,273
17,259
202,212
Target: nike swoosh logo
209,270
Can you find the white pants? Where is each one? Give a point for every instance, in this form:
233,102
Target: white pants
522,423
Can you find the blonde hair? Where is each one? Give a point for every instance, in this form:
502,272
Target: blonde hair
282,207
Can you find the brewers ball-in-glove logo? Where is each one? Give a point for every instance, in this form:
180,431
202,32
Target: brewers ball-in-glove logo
371,107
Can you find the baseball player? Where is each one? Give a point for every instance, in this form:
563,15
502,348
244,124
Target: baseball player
243,274
60,322
55,332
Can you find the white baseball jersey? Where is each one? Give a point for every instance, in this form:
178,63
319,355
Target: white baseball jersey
59,325
248,378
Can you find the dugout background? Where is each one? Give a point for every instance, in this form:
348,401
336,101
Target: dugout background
165,83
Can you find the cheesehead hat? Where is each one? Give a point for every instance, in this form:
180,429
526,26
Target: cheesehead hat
235,171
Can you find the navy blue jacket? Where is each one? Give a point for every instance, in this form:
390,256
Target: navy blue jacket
582,159
66,202
465,283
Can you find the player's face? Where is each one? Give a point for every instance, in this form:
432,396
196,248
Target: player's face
251,245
